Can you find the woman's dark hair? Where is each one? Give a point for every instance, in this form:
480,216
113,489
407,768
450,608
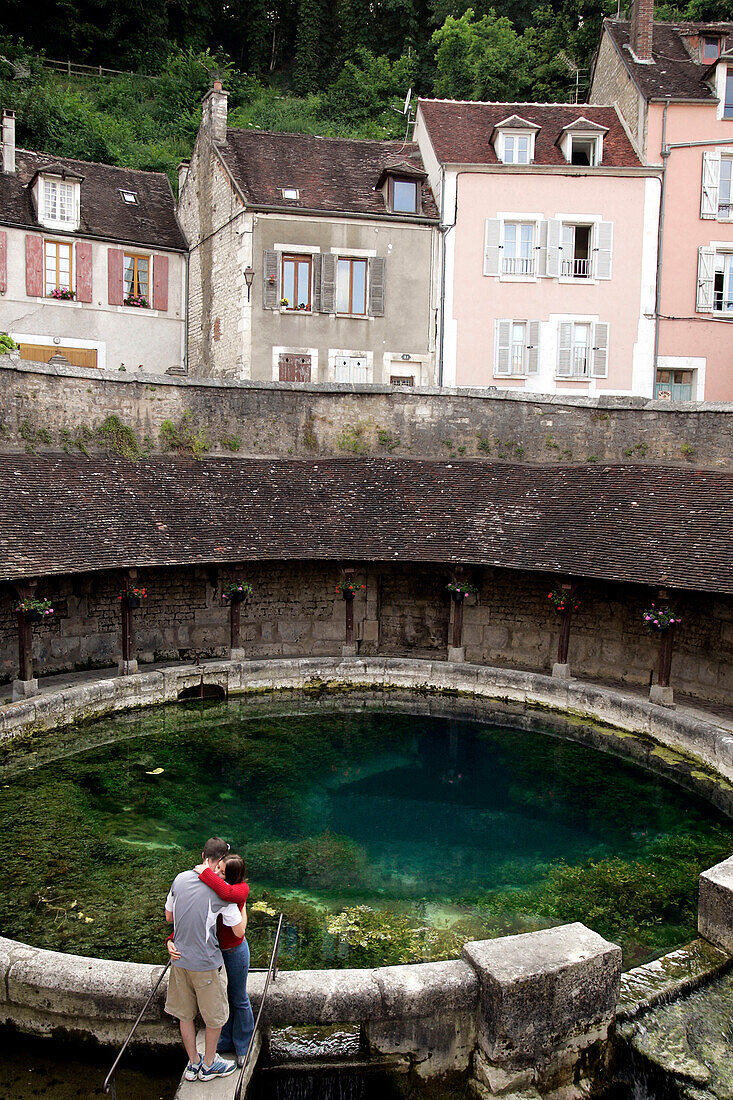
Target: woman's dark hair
234,869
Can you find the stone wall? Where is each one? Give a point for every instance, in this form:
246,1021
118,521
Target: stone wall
46,409
404,611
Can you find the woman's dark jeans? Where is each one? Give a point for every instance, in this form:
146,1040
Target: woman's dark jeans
237,1031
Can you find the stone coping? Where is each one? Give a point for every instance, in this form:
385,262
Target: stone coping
609,401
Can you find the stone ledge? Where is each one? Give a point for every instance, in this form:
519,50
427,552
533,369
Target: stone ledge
670,976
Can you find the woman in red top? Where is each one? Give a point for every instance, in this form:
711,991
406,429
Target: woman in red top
237,1031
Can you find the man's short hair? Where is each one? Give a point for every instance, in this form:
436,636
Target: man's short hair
215,848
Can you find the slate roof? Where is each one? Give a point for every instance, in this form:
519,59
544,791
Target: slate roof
674,73
461,131
331,174
104,214
649,525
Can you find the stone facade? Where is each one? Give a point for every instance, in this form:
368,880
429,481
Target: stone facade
42,408
404,611
613,84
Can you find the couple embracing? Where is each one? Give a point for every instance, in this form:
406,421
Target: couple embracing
210,960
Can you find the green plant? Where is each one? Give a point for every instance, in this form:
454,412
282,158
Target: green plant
687,449
551,444
231,442
460,589
592,458
563,600
642,448
118,438
352,439
42,607
659,618
628,452
482,443
386,440
7,344
461,450
349,588
186,436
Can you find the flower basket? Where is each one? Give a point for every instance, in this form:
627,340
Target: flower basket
33,610
131,601
63,294
132,597
348,589
563,600
236,592
657,620
460,589
137,301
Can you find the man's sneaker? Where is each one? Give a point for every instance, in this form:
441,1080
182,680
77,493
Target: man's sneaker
191,1071
219,1068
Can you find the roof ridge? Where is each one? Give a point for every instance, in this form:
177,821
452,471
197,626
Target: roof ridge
94,163
515,103
321,137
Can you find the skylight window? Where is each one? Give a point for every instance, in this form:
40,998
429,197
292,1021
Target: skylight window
290,192
130,197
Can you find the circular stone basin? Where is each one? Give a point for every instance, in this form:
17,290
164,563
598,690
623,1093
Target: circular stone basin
385,837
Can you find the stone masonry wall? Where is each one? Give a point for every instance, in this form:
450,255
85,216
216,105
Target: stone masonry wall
46,409
404,611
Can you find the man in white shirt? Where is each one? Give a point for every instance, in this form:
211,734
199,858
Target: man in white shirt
197,981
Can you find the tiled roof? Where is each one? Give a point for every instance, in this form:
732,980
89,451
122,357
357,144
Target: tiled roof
330,174
674,72
644,524
461,131
104,214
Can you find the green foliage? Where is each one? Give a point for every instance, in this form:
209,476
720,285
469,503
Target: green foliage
119,438
7,344
352,439
188,436
365,93
480,59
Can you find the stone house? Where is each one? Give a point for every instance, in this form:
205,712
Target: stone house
673,84
92,262
312,259
550,251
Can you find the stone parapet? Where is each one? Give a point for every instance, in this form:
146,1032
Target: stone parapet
715,912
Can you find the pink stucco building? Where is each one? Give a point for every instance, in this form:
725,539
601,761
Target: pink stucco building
673,84
550,236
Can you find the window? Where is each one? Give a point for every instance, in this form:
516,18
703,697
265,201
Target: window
723,283
582,349
351,278
576,262
402,380
518,253
296,282
136,276
404,196
674,385
290,192
58,202
293,367
725,209
130,197
516,348
728,101
583,150
710,48
56,267
515,149
350,368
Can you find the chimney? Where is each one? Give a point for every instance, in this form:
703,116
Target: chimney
642,23
182,174
214,119
9,142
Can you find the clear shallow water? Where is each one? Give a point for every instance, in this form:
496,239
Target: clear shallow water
385,837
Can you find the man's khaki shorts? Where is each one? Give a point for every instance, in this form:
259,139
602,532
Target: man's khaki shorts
205,990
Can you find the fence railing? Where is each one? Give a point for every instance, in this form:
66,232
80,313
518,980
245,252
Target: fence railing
109,1081
576,269
271,974
518,265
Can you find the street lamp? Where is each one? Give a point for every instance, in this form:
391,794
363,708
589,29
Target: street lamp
249,278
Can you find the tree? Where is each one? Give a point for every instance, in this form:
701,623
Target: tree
480,59
363,95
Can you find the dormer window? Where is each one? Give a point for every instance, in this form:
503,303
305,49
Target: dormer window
581,143
404,196
728,102
515,149
58,202
130,197
710,48
290,192
513,140
583,151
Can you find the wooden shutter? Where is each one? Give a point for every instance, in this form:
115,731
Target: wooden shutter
316,301
603,250
83,260
503,347
270,279
115,283
705,279
294,368
3,262
532,352
34,266
542,250
554,237
328,283
160,282
492,247
710,185
565,350
377,272
599,368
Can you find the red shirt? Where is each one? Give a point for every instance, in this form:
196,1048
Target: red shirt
226,892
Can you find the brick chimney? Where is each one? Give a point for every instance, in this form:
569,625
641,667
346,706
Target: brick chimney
642,22
9,142
214,120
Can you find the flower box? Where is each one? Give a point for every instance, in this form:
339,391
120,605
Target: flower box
34,610
137,301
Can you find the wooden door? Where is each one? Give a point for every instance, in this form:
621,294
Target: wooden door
40,353
294,368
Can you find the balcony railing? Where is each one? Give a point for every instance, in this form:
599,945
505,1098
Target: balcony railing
725,209
579,363
518,265
576,269
517,359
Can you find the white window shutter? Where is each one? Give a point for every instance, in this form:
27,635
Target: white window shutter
599,368
316,299
492,247
603,250
328,283
532,352
270,279
542,249
377,276
705,279
502,361
565,350
554,236
710,185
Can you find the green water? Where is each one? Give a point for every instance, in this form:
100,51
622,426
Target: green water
384,837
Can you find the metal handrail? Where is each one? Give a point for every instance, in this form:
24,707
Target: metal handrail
271,973
109,1081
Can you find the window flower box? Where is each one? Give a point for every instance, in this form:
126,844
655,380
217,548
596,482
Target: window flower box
137,301
660,619
132,597
33,610
63,294
348,589
460,589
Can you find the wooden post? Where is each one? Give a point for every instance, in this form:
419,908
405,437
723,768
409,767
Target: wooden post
666,644
456,652
457,623
26,684
561,668
128,664
234,623
349,647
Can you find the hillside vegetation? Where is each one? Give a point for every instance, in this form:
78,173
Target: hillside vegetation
302,65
